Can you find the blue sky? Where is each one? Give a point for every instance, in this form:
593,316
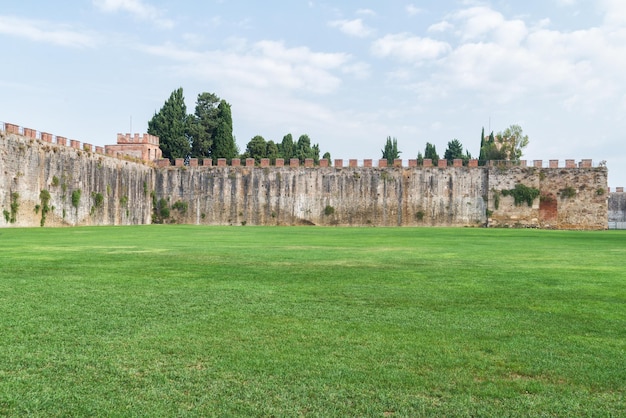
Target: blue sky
346,73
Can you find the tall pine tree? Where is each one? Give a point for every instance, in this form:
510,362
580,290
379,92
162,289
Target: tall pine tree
170,124
203,124
224,145
430,152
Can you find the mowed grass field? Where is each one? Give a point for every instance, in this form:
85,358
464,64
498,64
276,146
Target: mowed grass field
311,321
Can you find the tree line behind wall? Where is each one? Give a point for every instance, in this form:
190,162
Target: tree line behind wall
208,133
507,145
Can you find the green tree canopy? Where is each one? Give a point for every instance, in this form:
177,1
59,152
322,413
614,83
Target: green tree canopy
430,152
512,141
272,151
287,148
203,124
506,145
390,151
224,145
256,148
454,151
171,125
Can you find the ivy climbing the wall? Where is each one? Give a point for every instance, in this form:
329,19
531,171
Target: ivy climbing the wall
521,194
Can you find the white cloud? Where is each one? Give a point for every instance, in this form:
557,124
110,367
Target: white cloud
412,10
614,12
503,60
443,26
264,65
354,27
45,32
136,8
366,12
408,48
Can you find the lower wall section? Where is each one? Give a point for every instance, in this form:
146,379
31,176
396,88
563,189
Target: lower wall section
573,198
326,196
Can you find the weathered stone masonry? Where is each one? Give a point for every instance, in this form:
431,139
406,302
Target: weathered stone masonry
574,196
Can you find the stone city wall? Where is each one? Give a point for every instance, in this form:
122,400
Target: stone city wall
115,191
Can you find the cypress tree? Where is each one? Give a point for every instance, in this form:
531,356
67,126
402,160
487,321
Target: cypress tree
390,152
482,154
224,143
170,124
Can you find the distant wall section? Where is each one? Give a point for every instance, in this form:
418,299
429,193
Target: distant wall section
617,209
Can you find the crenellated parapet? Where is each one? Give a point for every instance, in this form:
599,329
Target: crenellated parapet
369,163
137,139
143,147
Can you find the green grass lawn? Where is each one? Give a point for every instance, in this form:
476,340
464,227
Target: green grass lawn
278,321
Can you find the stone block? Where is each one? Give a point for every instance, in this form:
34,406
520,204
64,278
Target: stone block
46,137
382,163
235,162
538,163
74,144
193,162
265,162
294,162
207,162
397,162
367,163
179,162
324,162
427,162
309,162
338,163
30,133
249,162
280,162
570,164
412,163
619,190
554,163
586,163
472,163
87,147
442,163
457,162
523,163
221,162
99,150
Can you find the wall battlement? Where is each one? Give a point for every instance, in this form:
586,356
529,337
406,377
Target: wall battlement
137,139
149,142
369,163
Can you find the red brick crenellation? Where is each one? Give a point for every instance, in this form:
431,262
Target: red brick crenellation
146,147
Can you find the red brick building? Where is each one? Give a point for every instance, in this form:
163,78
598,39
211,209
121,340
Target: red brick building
144,147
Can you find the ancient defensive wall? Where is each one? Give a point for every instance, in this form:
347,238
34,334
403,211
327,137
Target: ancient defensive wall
38,171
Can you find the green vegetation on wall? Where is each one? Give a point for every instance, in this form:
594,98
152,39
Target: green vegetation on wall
522,193
44,197
76,198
